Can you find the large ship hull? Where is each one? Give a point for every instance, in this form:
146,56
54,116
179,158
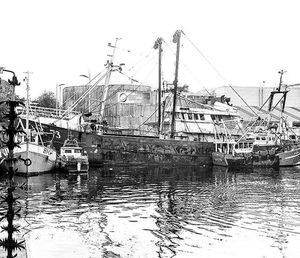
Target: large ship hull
137,150
132,150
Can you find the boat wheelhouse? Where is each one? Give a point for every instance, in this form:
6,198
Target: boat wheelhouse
74,157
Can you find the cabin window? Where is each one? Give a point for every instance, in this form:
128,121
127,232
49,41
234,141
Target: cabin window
202,117
77,151
263,138
68,151
182,115
240,145
196,117
250,144
190,116
257,138
236,146
224,148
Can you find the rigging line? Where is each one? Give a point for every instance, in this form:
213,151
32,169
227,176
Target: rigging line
141,59
132,91
73,105
218,73
184,122
197,103
186,67
148,63
110,96
130,78
74,95
249,128
165,115
201,132
113,94
147,119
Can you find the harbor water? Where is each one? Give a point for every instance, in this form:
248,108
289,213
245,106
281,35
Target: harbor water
159,212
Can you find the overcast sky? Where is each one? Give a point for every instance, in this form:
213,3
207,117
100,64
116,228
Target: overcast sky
248,42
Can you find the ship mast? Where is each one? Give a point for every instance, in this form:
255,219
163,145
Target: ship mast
282,101
278,91
157,45
176,39
27,104
110,67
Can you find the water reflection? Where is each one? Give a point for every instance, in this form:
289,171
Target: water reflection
162,212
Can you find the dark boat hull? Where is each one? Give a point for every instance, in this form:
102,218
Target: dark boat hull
137,150
263,159
230,161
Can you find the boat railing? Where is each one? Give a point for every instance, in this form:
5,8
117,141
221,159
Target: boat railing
38,111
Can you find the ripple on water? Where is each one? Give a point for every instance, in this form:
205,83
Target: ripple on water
157,212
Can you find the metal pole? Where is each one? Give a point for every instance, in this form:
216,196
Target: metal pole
157,44
107,79
89,98
176,39
57,99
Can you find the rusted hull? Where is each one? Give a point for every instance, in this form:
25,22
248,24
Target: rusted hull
230,161
263,159
122,150
267,158
136,150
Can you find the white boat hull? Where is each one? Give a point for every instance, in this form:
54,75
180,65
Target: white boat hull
42,159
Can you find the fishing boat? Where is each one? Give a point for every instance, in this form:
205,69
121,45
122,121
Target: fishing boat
232,154
279,136
273,144
74,157
245,152
33,155
184,133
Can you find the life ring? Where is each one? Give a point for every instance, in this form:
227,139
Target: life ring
27,162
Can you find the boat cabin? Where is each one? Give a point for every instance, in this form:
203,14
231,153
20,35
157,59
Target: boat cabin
232,146
265,139
71,150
